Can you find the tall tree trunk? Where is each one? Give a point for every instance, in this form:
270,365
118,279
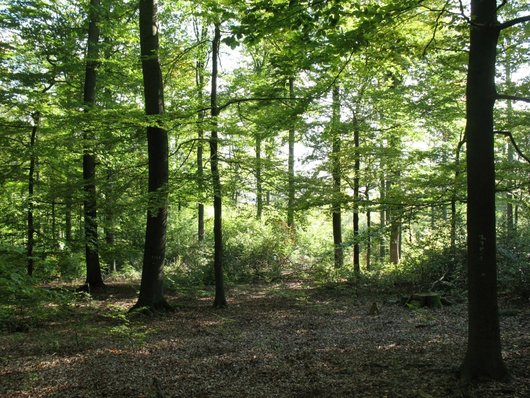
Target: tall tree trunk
290,188
199,76
369,232
483,357
68,219
259,182
356,199
220,299
336,174
510,226
31,188
151,288
93,270
453,209
109,224
382,216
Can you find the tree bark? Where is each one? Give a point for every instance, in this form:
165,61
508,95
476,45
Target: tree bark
93,269
369,232
483,358
336,175
220,299
199,79
31,188
291,188
151,288
259,182
356,199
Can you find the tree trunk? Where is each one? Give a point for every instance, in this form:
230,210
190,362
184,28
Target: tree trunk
199,80
369,232
290,188
336,174
483,357
259,182
31,188
220,300
93,269
510,227
356,199
151,288
382,218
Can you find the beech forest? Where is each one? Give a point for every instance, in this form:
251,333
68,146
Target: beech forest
265,198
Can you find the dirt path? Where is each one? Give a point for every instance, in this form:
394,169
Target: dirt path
284,340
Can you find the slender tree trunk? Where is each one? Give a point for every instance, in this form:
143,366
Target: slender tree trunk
93,269
220,300
382,216
151,288
510,227
336,174
483,357
200,147
259,182
68,219
31,188
109,225
369,232
356,199
290,188
453,208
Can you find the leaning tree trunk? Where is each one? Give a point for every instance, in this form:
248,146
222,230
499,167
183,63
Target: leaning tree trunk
483,357
31,187
336,175
151,288
93,269
220,300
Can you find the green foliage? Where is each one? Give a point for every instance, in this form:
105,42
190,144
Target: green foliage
513,260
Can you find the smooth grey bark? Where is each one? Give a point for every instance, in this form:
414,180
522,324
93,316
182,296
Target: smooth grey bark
356,200
31,190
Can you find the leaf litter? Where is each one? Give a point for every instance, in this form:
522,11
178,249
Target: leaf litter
280,340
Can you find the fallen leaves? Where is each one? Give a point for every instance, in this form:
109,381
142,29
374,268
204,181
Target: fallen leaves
272,341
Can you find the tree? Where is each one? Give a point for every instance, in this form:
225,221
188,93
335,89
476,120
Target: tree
220,300
483,358
93,269
336,175
151,288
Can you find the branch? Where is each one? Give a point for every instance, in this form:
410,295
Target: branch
512,98
517,149
502,4
435,28
240,100
509,24
463,13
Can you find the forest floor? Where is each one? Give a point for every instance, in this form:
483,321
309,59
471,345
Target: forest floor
280,340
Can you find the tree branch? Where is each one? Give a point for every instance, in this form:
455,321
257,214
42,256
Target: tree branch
512,140
509,24
512,98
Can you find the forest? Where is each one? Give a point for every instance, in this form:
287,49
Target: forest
264,198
